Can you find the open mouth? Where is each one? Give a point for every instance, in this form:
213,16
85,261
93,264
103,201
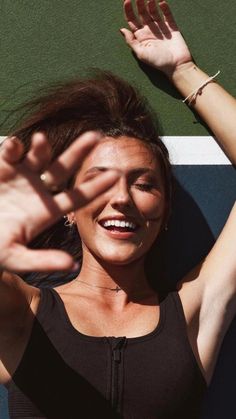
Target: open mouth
119,226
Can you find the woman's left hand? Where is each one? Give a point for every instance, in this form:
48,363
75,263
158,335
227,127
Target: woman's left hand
154,36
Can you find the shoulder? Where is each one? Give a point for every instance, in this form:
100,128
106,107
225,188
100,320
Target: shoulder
17,297
19,305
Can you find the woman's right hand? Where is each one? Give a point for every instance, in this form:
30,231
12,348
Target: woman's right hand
27,206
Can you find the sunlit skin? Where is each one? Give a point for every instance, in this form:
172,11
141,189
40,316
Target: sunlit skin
139,194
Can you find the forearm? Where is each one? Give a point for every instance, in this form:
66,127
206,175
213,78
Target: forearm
215,106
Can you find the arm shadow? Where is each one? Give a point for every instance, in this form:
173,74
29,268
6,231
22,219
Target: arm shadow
161,82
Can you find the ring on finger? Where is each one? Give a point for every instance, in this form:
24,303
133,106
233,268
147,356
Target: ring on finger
135,28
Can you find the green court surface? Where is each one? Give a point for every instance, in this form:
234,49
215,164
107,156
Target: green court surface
43,41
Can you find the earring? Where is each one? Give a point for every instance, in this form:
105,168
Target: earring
166,227
68,223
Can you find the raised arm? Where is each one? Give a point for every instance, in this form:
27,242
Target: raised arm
156,40
27,207
208,292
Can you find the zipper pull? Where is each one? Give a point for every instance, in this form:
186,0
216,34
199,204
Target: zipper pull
116,355
117,344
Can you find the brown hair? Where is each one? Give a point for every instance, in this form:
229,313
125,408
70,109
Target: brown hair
105,103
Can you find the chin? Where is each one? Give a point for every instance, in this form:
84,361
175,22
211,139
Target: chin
119,260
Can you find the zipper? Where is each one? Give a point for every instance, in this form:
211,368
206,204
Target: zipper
117,345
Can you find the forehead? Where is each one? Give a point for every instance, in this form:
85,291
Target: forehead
123,153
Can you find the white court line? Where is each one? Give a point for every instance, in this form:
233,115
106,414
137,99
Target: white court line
195,150
192,151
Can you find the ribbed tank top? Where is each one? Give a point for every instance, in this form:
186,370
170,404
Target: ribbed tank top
65,374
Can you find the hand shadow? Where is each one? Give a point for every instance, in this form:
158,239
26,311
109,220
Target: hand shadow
158,79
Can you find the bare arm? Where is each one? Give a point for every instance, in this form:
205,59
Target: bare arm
216,106
157,41
208,292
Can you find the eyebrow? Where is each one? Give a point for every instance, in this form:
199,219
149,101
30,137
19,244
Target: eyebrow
136,171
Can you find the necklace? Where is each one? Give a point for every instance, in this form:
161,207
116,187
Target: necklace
116,289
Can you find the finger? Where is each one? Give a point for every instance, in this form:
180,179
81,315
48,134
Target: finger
12,150
158,18
130,16
153,11
86,192
130,38
39,154
144,15
168,16
23,259
70,161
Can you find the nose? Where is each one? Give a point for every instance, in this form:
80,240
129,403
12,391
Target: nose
120,194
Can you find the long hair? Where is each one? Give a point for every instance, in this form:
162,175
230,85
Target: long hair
105,103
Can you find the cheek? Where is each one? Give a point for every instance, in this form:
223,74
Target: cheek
151,206
83,218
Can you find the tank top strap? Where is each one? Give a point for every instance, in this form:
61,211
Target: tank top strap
178,307
177,327
48,305
175,317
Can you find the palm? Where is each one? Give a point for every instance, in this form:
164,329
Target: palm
25,202
155,39
28,207
161,53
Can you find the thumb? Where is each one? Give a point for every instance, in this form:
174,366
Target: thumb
129,37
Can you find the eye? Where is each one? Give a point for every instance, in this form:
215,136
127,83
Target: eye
144,186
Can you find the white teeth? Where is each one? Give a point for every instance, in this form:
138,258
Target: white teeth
119,223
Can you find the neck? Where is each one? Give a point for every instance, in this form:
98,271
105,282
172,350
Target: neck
101,277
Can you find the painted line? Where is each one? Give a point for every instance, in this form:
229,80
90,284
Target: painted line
192,151
195,151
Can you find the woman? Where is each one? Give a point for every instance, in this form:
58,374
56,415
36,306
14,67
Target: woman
107,344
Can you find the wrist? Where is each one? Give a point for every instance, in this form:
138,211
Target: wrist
187,77
181,71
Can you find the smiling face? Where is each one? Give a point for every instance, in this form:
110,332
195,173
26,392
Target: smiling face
121,227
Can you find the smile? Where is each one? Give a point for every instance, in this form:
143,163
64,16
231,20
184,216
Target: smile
120,225
119,228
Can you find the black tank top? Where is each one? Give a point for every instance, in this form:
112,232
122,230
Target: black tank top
64,374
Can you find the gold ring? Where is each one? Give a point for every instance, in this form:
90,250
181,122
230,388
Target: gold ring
48,185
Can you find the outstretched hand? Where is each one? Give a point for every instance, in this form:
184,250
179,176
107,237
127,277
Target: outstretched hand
27,206
154,35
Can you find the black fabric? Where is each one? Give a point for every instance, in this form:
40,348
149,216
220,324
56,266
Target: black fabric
65,374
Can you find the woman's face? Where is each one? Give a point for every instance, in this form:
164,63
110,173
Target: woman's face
120,227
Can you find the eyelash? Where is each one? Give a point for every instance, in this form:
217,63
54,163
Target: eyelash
144,186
